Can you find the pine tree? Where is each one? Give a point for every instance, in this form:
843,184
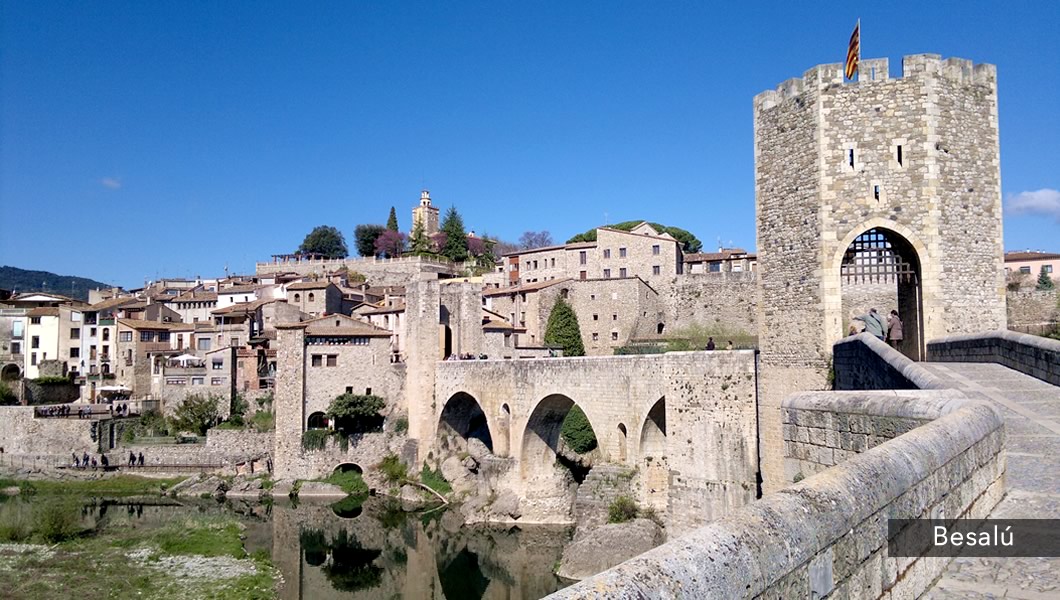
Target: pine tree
1044,281
455,248
391,223
418,240
562,329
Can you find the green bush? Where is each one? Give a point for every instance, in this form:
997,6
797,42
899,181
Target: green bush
7,395
58,520
401,425
263,420
434,480
563,331
622,509
351,482
577,431
393,469
643,349
52,380
239,411
315,439
197,413
357,413
16,521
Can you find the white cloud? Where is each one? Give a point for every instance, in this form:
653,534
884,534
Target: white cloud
1042,202
111,182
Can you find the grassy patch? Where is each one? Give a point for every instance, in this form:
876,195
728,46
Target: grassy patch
201,537
121,485
393,469
351,482
434,480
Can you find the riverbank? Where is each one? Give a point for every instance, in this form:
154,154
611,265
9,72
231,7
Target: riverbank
57,543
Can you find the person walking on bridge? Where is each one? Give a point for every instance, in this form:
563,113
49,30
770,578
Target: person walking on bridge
873,323
894,329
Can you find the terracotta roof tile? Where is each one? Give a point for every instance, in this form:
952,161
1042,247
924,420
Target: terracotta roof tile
310,285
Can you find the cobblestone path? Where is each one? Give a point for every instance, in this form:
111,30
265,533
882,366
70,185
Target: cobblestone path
1031,409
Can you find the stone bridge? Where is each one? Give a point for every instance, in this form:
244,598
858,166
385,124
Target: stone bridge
685,421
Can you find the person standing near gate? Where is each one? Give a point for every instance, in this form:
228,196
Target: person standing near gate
894,329
873,323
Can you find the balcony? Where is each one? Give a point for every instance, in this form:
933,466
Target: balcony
184,371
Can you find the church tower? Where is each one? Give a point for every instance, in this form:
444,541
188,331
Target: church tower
426,214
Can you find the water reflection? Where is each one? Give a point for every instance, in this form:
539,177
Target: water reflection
385,553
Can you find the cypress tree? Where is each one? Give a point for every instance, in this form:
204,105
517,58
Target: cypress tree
1044,281
391,222
455,248
418,240
562,329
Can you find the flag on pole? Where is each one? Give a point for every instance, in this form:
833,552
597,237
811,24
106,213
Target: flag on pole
854,52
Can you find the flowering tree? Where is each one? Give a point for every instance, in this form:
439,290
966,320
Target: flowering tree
390,243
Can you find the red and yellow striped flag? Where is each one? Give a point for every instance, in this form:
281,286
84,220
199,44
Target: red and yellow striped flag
854,52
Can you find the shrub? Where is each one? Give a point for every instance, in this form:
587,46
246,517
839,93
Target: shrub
16,521
1045,282
239,411
577,431
7,395
622,509
434,480
393,469
153,423
315,439
263,420
265,402
52,380
58,520
401,425
197,413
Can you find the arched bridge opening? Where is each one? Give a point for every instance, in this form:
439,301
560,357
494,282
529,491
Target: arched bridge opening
654,464
558,433
462,420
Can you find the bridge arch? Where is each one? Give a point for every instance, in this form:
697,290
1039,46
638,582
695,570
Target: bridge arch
654,463
542,437
462,419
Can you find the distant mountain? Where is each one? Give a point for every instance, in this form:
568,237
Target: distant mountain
21,280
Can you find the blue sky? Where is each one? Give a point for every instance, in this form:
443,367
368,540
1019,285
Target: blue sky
152,138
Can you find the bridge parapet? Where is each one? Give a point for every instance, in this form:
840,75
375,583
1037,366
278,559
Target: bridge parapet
863,362
1029,354
896,454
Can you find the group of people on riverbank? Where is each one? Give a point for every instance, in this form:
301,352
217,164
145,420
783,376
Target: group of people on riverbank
89,462
886,330
84,411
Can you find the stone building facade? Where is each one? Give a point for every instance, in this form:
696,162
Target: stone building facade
425,213
316,298
912,162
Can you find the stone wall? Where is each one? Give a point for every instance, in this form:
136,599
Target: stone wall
601,487
863,362
223,448
1032,307
364,450
858,298
51,393
1036,356
22,433
723,300
826,537
378,271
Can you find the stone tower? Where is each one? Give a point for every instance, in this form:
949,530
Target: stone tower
426,214
884,180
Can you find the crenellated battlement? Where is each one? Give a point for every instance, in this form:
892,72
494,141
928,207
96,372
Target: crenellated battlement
874,70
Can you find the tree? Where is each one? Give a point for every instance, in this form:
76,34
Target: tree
689,242
325,240
455,246
391,222
535,239
366,236
197,414
390,243
418,240
1044,281
577,431
563,331
355,413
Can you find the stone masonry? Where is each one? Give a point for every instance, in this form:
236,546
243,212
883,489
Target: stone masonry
828,168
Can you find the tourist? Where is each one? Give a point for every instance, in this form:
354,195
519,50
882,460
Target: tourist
103,461
140,459
94,464
894,329
729,346
77,462
84,460
873,323
710,343
132,459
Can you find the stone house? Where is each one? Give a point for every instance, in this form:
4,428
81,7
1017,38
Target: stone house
212,375
193,306
1030,264
316,298
141,349
725,260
